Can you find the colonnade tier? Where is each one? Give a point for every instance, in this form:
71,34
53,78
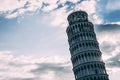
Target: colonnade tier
81,36
89,65
81,47
94,77
87,69
79,27
85,57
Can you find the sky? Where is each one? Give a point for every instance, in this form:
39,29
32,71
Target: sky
33,39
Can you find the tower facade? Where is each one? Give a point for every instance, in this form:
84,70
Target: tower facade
84,48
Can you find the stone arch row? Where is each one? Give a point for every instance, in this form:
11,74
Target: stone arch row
85,44
83,36
95,77
90,68
80,27
86,56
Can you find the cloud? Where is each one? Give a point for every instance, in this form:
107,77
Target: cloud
56,70
116,4
90,8
58,67
108,36
15,8
33,67
114,62
57,9
53,68
10,5
60,15
113,26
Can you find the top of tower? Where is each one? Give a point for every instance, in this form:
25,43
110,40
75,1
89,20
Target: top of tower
77,16
77,12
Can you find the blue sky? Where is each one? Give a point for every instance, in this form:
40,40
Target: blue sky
33,40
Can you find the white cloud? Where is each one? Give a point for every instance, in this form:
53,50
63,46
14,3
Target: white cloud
90,8
112,40
21,67
64,1
6,5
59,17
31,6
49,2
96,19
108,37
25,6
50,7
115,23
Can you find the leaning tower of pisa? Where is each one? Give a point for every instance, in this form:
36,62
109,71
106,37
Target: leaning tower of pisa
84,48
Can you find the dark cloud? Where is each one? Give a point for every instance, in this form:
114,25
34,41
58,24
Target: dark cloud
114,61
107,27
59,70
56,67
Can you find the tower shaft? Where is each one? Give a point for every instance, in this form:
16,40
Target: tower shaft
84,48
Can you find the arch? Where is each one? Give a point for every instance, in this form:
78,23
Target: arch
86,44
85,67
79,56
102,77
78,25
81,35
85,54
82,56
76,59
91,78
77,46
83,44
75,25
81,67
95,78
84,35
87,34
98,78
95,65
77,35
80,44
92,66
89,44
92,44
92,54
88,66
87,79
81,27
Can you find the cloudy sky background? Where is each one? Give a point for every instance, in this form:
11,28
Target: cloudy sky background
33,40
